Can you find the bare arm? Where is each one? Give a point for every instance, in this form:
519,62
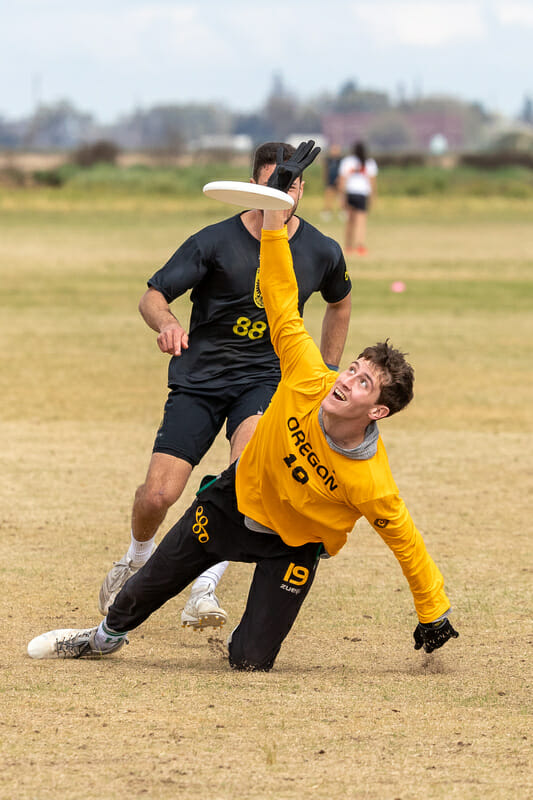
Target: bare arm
155,311
335,330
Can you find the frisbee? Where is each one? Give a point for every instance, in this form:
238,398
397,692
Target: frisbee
248,195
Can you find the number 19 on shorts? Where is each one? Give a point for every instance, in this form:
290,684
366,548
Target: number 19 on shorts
296,575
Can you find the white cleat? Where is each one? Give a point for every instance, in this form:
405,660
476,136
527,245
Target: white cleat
68,643
202,611
114,581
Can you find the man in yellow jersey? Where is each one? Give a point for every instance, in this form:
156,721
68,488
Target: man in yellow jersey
314,466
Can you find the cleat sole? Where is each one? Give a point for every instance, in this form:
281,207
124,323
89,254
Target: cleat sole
205,621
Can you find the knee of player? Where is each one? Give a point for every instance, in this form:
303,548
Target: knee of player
155,498
243,665
249,658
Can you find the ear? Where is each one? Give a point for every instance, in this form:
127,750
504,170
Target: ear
378,412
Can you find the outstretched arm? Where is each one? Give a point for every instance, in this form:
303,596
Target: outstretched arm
278,282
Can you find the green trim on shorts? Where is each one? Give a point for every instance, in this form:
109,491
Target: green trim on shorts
206,482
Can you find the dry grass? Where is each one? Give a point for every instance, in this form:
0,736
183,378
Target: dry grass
351,710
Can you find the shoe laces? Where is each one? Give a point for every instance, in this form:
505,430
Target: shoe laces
73,646
123,562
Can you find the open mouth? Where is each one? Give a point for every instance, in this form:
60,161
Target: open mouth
338,395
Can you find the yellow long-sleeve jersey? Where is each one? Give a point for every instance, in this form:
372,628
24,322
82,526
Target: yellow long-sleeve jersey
290,479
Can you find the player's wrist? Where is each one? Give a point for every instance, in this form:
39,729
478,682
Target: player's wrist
272,234
436,623
273,220
169,323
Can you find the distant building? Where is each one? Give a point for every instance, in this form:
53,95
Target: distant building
396,130
240,143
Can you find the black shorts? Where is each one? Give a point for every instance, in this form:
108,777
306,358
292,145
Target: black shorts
210,531
357,201
192,420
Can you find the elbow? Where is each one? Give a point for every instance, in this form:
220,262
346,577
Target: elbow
147,301
342,307
142,303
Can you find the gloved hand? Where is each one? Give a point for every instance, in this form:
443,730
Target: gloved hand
286,172
433,635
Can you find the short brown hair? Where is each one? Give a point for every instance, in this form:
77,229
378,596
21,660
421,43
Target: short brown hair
267,153
398,375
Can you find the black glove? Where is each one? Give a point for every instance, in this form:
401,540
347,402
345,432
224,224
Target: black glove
433,635
286,172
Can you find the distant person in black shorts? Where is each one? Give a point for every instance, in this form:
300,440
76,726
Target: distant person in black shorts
224,369
358,183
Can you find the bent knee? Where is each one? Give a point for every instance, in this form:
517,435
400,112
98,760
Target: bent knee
246,666
156,498
250,658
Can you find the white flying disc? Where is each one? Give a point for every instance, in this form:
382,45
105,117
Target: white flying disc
248,195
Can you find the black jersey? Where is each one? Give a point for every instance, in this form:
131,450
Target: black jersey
229,338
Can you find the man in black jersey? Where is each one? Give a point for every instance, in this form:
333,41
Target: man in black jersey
224,368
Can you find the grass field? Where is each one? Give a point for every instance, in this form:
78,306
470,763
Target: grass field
350,710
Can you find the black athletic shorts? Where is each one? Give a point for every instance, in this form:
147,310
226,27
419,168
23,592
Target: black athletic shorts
210,531
358,201
192,420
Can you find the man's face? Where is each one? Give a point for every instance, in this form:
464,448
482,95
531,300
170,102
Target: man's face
296,191
355,393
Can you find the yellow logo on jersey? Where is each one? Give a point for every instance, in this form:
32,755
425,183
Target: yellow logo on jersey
258,297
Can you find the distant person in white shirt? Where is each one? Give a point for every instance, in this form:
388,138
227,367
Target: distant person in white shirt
357,181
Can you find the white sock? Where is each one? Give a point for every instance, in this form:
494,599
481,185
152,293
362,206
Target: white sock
106,639
140,552
209,579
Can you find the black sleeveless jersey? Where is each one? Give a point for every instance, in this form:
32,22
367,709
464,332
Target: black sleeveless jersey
229,338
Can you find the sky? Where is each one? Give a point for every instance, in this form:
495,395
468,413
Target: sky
110,57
